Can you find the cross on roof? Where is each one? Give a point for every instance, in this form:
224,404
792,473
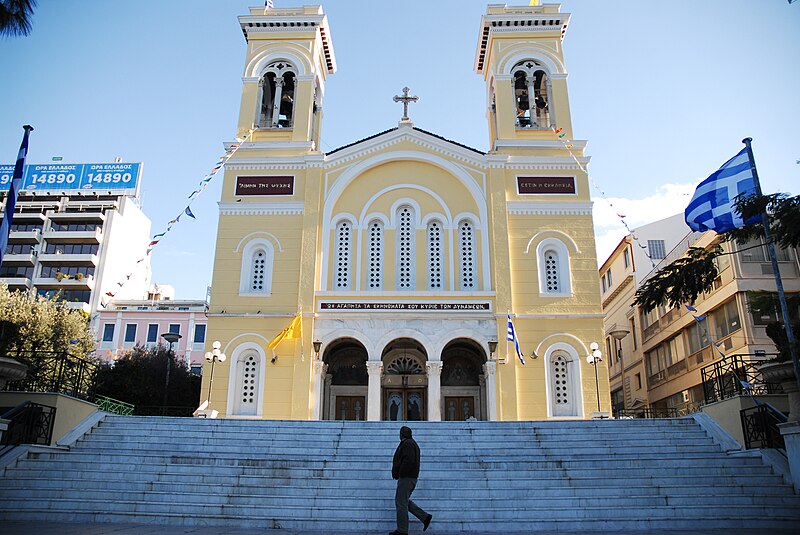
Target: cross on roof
405,99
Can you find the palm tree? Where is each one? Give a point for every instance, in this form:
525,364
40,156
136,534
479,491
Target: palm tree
15,17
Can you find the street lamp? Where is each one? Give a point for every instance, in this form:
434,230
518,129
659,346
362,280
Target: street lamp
171,338
492,347
213,356
317,346
618,333
593,358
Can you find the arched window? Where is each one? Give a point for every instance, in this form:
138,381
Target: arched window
532,95
553,263
257,261
341,277
277,96
466,242
406,267
435,261
375,255
246,393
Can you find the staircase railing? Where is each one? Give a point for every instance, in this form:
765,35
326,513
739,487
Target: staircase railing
30,423
736,375
56,372
648,412
760,427
114,406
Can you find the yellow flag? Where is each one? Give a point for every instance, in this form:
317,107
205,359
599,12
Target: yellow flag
292,331
534,2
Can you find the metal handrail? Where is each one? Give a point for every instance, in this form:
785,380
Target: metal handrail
30,423
735,376
114,406
57,372
647,412
760,427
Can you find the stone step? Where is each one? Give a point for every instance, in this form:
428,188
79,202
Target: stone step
99,480
381,461
697,522
385,500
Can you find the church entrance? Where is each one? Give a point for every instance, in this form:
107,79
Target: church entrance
463,381
404,382
345,390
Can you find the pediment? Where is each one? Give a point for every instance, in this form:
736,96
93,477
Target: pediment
403,137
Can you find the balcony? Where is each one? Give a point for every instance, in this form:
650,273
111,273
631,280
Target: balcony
67,236
71,259
53,283
25,236
78,306
91,216
17,283
19,259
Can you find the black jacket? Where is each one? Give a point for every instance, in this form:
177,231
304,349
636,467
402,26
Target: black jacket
406,459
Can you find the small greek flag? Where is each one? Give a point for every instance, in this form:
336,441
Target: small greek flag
13,191
268,4
511,336
712,206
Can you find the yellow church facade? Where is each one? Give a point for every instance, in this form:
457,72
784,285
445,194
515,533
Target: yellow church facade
398,259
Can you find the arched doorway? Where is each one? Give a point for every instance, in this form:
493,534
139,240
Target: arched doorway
463,381
404,382
345,393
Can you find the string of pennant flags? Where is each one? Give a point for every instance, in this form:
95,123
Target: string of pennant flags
568,145
187,211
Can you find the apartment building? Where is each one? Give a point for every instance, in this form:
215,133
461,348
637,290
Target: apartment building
125,323
656,358
77,229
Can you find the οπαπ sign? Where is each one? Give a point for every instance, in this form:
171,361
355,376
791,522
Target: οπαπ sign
546,185
264,185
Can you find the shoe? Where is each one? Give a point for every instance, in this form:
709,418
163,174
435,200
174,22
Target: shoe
395,532
426,522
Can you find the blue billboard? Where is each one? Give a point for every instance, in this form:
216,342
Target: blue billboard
119,178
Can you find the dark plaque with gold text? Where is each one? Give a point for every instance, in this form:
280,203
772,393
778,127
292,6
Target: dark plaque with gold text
264,185
546,185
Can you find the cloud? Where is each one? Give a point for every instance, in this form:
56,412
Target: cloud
668,200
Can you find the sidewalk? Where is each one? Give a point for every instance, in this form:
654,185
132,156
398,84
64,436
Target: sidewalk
62,528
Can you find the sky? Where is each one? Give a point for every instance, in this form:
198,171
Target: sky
664,92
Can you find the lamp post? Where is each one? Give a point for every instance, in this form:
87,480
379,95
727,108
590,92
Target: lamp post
492,347
317,345
593,358
618,334
171,338
213,356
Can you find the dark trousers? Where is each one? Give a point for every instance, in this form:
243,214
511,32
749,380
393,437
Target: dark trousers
404,505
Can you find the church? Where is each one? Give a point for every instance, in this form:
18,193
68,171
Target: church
392,278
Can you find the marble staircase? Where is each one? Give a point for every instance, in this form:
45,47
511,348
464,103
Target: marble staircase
476,476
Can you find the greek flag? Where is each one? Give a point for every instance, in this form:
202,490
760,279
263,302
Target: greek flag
511,336
11,200
712,206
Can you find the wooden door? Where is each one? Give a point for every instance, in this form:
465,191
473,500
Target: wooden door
458,408
351,408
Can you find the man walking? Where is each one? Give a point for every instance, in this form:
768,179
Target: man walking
405,469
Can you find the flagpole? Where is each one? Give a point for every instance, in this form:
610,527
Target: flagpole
775,269
13,191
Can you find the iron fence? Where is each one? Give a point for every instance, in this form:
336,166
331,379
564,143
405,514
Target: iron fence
648,412
734,376
158,410
114,406
57,372
29,423
760,427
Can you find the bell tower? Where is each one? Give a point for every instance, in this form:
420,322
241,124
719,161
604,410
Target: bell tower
521,59
289,55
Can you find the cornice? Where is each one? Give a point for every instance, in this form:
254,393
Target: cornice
548,208
395,137
272,145
261,208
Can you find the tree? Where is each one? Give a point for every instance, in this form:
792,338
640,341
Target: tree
139,378
15,17
32,322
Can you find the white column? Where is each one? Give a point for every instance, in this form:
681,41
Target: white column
532,99
374,369
489,372
320,368
434,391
